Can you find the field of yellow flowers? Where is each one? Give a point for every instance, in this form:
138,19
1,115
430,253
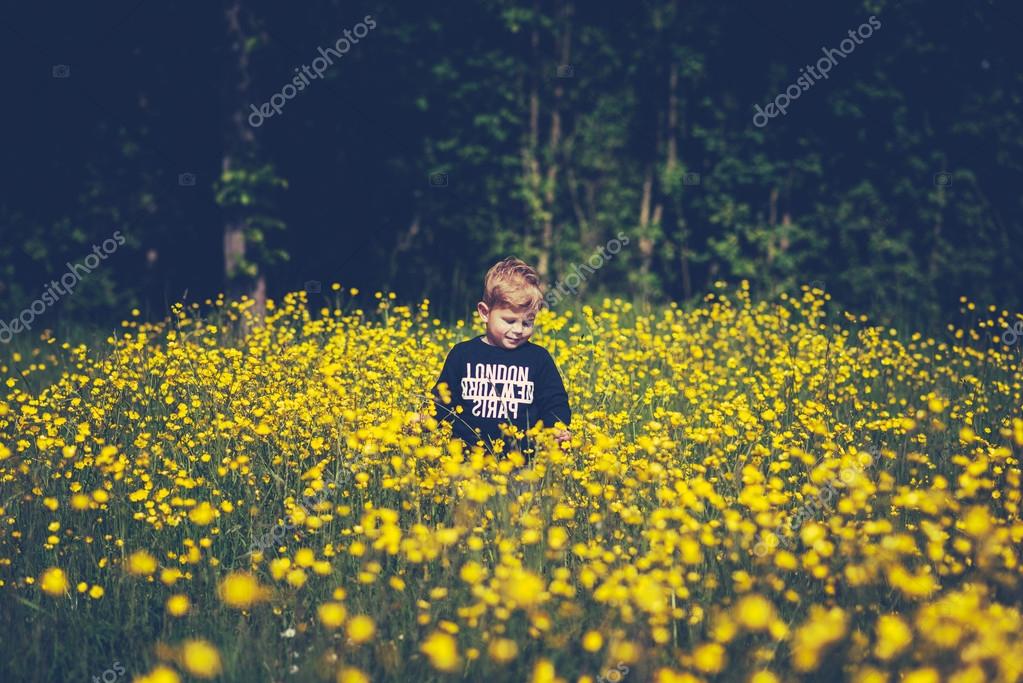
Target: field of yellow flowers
752,492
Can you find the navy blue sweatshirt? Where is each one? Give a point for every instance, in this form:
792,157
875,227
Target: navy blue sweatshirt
494,385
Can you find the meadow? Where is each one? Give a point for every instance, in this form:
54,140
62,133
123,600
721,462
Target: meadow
754,491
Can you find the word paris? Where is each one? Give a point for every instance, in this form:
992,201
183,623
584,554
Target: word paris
488,400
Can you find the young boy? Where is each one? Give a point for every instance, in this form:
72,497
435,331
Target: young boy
501,377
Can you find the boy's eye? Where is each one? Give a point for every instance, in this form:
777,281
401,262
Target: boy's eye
512,321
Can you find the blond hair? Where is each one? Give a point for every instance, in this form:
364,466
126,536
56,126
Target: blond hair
512,283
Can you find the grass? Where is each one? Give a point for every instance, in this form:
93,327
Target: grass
682,535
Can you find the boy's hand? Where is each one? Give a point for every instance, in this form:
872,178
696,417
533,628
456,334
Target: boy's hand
563,436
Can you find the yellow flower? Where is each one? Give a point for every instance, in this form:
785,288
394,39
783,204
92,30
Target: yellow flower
971,674
691,551
279,567
666,675
625,651
241,590
710,658
161,674
141,563
442,649
543,671
557,537
592,641
755,612
747,415
763,677
351,675
976,522
524,589
170,575
202,514
305,557
503,650
472,573
927,675
783,559
331,614
178,605
361,628
296,577
823,628
200,658
54,582
893,636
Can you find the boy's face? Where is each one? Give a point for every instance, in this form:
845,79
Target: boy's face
506,327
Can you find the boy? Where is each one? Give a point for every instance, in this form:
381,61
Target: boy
500,377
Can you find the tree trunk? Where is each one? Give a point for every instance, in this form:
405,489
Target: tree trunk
404,244
239,141
773,224
646,245
680,222
554,143
577,208
530,163
540,178
672,115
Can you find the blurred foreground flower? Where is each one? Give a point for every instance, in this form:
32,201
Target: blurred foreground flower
54,582
241,590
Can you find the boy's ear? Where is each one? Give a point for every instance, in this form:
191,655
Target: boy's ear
483,310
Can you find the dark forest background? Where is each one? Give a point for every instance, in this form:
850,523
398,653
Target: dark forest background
456,133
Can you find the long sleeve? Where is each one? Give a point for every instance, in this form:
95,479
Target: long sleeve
447,411
550,396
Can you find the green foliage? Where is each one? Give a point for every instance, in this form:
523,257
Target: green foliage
892,182
252,193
